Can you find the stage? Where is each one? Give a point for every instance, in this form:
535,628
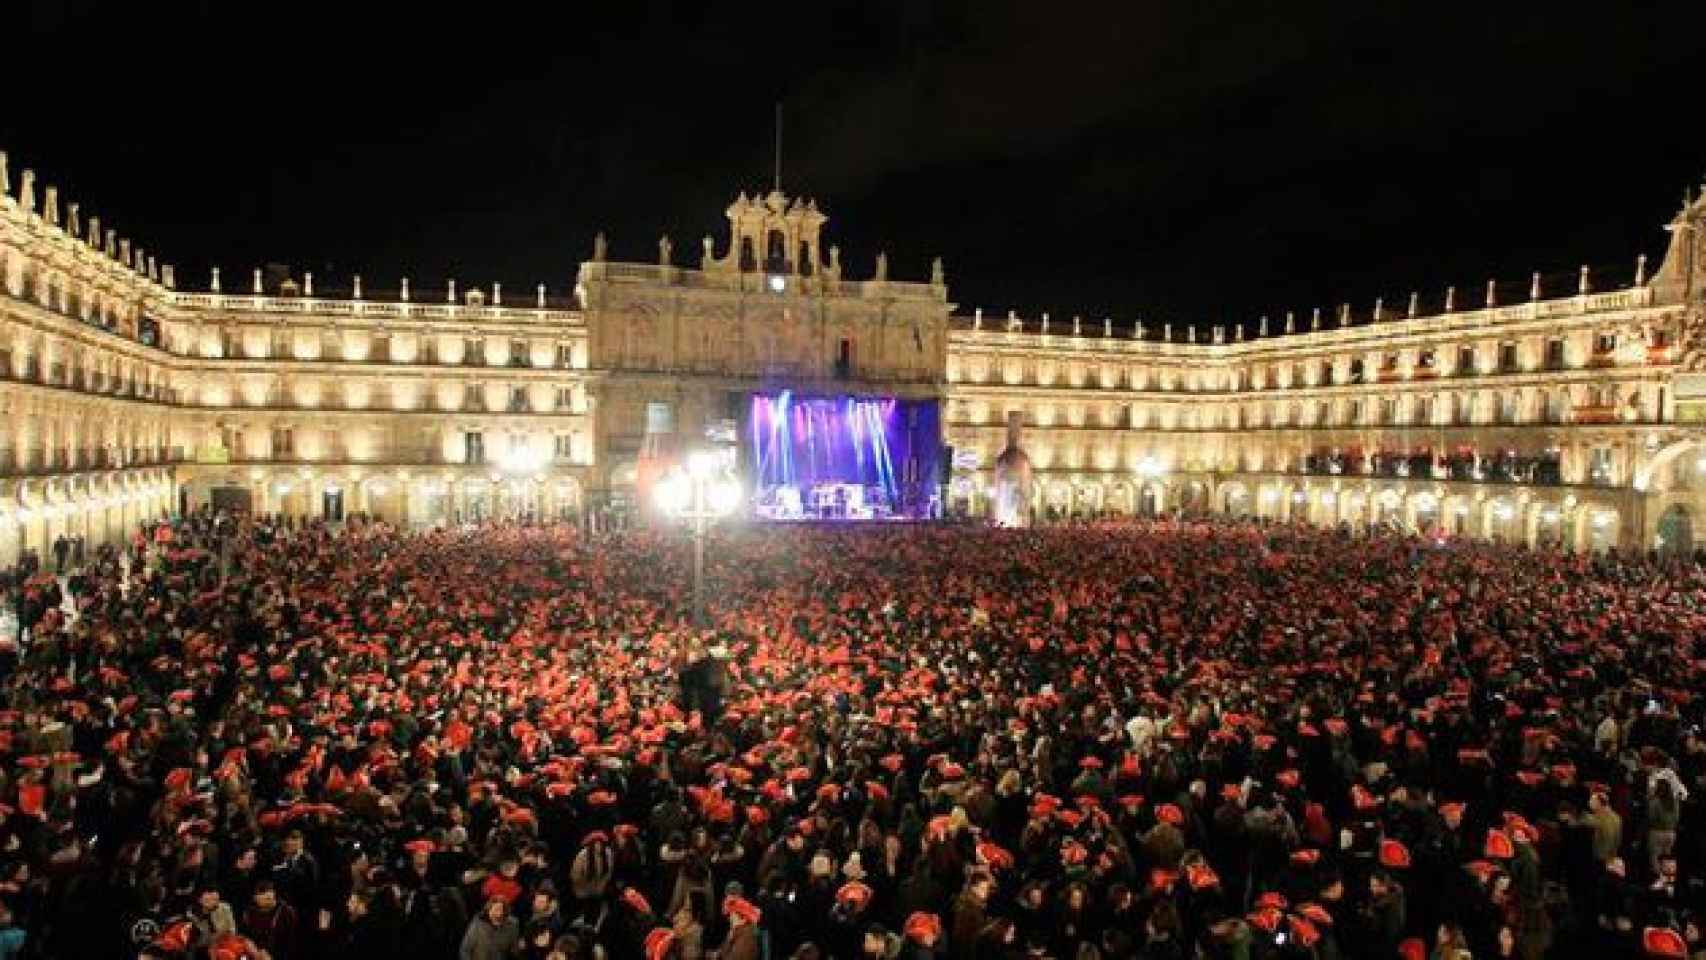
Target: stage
842,458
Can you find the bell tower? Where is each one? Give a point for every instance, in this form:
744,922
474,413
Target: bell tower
774,234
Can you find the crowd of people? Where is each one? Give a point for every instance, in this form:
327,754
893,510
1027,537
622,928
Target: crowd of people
1168,739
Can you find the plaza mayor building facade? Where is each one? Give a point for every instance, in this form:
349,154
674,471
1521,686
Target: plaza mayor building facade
1550,411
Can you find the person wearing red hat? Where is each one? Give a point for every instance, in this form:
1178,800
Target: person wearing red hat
741,943
593,869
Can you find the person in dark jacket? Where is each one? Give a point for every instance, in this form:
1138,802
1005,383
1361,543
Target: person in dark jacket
493,935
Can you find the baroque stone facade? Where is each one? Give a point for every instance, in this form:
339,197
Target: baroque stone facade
1574,416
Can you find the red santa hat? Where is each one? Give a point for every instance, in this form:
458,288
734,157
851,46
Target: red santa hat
660,943
1499,846
1315,913
741,910
1201,877
1664,942
177,937
1394,855
854,895
923,928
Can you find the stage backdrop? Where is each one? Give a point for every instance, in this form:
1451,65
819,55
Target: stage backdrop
888,443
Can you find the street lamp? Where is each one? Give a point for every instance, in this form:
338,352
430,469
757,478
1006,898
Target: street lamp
703,492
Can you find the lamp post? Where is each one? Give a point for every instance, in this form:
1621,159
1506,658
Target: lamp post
703,492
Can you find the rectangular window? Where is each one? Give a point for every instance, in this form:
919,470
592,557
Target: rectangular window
565,398
660,418
1465,361
563,448
1425,410
1507,357
565,355
1600,466
474,352
518,400
1554,354
518,353
1605,343
473,446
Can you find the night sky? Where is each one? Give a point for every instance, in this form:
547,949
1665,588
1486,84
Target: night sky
1198,162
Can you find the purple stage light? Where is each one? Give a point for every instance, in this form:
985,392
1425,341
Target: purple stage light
845,455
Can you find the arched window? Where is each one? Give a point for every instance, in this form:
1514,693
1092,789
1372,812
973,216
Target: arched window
748,257
776,252
805,258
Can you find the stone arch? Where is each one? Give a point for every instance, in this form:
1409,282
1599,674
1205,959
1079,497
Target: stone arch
1602,523
1426,511
1121,498
1088,497
1551,527
1235,498
1152,499
1502,518
1647,472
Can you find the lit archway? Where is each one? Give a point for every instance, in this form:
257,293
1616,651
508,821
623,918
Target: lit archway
1675,535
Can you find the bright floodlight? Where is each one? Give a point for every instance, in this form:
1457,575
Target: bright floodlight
778,284
702,464
1151,467
723,496
672,493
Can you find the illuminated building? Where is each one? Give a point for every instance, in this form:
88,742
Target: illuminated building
1566,414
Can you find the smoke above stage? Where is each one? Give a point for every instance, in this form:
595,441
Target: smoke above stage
843,457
